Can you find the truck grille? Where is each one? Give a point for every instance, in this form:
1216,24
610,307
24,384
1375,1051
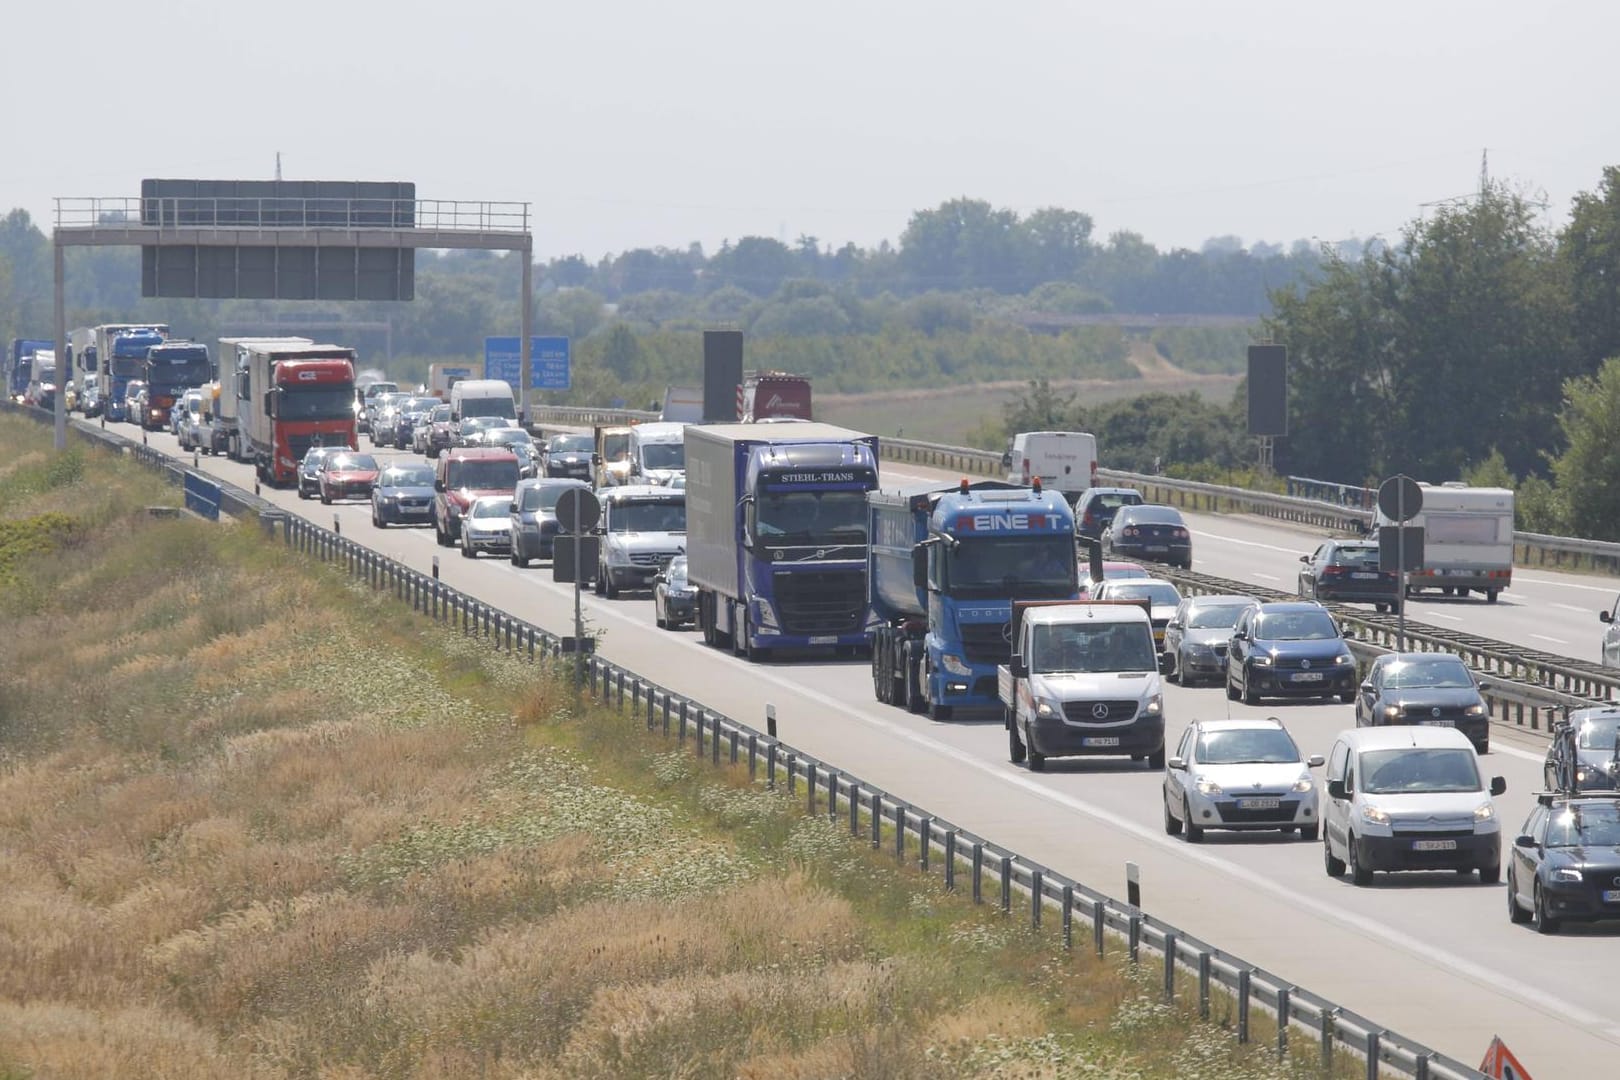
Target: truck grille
984,643
821,601
1081,712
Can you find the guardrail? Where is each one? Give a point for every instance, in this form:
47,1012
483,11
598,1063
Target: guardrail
992,873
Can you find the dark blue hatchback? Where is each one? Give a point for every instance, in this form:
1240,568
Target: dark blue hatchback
1289,649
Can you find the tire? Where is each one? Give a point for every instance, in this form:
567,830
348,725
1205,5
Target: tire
1490,875
302,494
1359,874
1231,691
756,654
658,615
1037,760
1155,760
1490,595
1516,914
1381,608
1194,833
376,518
939,714
1015,746
596,586
466,549
1309,833
326,500
1249,696
609,589
1347,698
1333,866
916,699
1172,824
1544,923
1174,675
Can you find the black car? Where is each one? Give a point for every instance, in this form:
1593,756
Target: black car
1431,689
1347,570
403,495
309,470
1585,751
1155,533
569,455
1289,648
1565,863
673,595
1095,508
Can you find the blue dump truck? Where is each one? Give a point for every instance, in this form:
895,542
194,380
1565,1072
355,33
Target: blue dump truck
776,537
19,361
946,565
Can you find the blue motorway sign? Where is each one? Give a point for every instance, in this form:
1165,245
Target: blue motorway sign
549,367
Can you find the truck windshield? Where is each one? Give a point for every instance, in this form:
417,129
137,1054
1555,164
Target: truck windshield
616,446
666,455
642,516
488,406
1090,647
167,374
316,403
810,518
1024,568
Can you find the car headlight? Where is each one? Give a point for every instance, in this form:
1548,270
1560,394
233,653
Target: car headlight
1047,709
1392,712
1261,660
954,664
1304,783
1344,659
1154,706
1474,710
1484,812
1208,787
1374,814
1565,873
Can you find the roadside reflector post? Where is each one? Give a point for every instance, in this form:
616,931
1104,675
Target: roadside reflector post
435,568
1133,885
337,526
770,720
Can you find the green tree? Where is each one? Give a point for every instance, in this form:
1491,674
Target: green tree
1587,473
622,354
1590,251
755,263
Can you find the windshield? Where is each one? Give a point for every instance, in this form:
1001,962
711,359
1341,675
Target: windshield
811,518
358,462
1589,824
316,403
1409,769
492,508
440,414
569,444
647,516
666,455
616,446
1215,617
507,436
1442,671
189,371
376,389
1246,746
422,404
488,406
675,575
1092,647
1028,564
483,475
1295,626
1157,593
1598,733
543,498
1109,502
413,476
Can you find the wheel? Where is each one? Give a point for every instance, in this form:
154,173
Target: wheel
1174,674
940,714
1516,914
1544,923
916,700
326,500
1490,875
467,551
1309,833
1155,760
1015,745
1380,608
376,518
302,494
1037,760
609,589
1249,696
1172,824
1490,595
1195,833
1358,873
756,654
1231,691
1347,698
658,612
1334,867
880,679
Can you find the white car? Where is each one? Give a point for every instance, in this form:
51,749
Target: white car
487,526
1240,774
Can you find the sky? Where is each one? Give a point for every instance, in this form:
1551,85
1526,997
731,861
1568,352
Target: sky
638,123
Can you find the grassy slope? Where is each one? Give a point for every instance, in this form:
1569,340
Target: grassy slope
256,821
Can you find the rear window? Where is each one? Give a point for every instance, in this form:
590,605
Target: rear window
1356,556
1110,501
1155,515
483,475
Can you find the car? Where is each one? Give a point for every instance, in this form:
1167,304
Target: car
1565,863
1240,774
368,395
403,494
90,402
134,400
1585,751
1348,571
470,431
462,474
411,414
673,594
439,434
1162,596
1432,689
1409,798
568,455
1152,532
1094,509
534,517
346,475
187,418
487,526
309,469
1289,649
385,417
1197,636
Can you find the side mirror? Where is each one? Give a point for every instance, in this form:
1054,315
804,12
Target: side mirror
1348,633
1498,785
1304,558
1020,670
1604,616
919,566
438,485
1006,460
1166,662
1336,789
1482,687
1176,763
635,468
1315,761
1366,687
1524,840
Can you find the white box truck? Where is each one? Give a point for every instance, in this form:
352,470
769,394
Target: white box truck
1065,461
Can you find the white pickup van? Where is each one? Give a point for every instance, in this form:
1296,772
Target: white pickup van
1065,461
481,397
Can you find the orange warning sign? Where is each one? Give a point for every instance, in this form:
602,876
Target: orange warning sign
1500,1064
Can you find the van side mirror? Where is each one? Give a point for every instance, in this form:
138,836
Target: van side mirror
1604,616
1336,789
1006,460
1166,662
1498,785
438,485
1020,670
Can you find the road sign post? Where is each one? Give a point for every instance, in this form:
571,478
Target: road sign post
1400,499
578,512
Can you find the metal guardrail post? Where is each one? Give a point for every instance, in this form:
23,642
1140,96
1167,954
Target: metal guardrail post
810,787
877,820
1243,1006
1134,936
753,752
1203,984
1373,1040
1283,994
925,841
1330,1023
950,860
899,833
1169,967
1068,918
793,773
1099,925
1006,883
978,872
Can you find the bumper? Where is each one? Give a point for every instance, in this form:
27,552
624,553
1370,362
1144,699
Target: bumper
348,491
1201,665
974,690
1250,811
1057,738
632,576
1356,593
1579,900
1269,683
1478,729
492,542
398,513
570,472
1164,553
678,610
1400,852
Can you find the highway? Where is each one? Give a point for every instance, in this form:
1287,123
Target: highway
1432,956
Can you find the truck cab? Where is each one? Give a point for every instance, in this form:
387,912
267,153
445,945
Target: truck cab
1083,681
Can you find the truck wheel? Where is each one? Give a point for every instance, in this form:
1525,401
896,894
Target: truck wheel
755,654
1015,745
882,685
1037,760
940,714
1155,760
1490,595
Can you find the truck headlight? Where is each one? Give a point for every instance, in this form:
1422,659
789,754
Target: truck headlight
767,616
1046,710
1154,705
954,664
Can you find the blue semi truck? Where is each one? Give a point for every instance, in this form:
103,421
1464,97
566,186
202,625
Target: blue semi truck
19,362
946,565
776,535
120,349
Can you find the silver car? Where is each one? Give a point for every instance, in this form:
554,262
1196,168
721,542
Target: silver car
1240,774
487,526
1197,635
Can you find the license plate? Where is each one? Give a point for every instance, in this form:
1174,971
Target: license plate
1364,577
1258,804
1101,740
1439,723
1157,547
1434,845
1307,676
832,640
1611,896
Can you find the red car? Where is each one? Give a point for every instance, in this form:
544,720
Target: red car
347,476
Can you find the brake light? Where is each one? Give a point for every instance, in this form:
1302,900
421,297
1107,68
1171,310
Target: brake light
1130,530
1179,534
1087,519
1332,571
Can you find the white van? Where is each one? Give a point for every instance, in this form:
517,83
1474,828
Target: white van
481,397
1065,461
1409,798
657,453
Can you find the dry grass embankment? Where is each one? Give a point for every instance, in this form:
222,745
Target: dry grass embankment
256,821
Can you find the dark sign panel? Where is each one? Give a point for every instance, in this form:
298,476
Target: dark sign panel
722,374
1268,390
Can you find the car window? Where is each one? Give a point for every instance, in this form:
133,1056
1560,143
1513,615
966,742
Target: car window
1247,746
1184,744
1336,760
1584,824
492,508
1537,826
1599,733
1419,769
1356,556
408,476
1215,616
1294,626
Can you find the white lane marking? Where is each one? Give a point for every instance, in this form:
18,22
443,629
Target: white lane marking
1571,607
1606,590
1203,535
1442,615
1514,751
1554,640
1264,577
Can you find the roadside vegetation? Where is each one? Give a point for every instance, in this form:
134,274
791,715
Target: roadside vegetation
256,821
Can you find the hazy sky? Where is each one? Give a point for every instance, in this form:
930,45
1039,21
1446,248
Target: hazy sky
640,123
